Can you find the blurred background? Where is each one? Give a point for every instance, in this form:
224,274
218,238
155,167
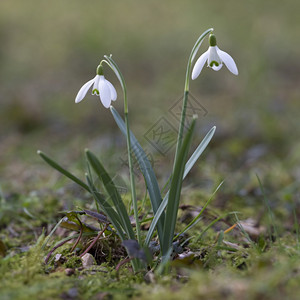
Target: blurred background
49,49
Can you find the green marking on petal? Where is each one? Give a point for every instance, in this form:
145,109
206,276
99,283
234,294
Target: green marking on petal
95,91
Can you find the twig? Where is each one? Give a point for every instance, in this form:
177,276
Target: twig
57,246
94,241
80,234
121,263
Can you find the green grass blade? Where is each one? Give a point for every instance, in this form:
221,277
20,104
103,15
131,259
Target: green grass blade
200,213
197,153
199,237
240,226
107,209
112,191
52,232
62,170
270,213
175,191
146,169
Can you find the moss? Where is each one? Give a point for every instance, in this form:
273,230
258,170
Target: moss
73,262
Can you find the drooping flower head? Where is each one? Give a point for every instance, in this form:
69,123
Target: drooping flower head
215,59
101,87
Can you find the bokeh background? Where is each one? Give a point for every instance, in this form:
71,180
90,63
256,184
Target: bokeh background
50,48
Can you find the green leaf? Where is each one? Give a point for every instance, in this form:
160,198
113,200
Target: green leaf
62,170
101,218
146,169
164,264
175,191
195,156
52,232
74,226
112,191
199,237
156,218
202,146
200,213
107,208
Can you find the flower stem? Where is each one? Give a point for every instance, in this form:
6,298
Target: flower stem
132,181
116,70
186,90
131,174
108,60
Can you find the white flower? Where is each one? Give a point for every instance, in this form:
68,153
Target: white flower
215,59
102,88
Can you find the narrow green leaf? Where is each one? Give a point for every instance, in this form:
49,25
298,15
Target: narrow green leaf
107,208
62,170
163,266
270,213
99,217
113,217
195,156
52,232
244,232
112,191
200,213
199,150
74,226
146,169
175,191
199,237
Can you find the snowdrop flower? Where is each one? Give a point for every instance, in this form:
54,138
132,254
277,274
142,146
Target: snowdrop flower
102,88
215,59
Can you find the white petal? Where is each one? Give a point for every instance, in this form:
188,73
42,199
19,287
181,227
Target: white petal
113,92
228,61
213,57
82,92
199,64
96,86
104,91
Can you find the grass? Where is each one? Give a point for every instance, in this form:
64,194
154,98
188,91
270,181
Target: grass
48,51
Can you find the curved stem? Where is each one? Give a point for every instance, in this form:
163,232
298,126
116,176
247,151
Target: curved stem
119,75
186,89
132,181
